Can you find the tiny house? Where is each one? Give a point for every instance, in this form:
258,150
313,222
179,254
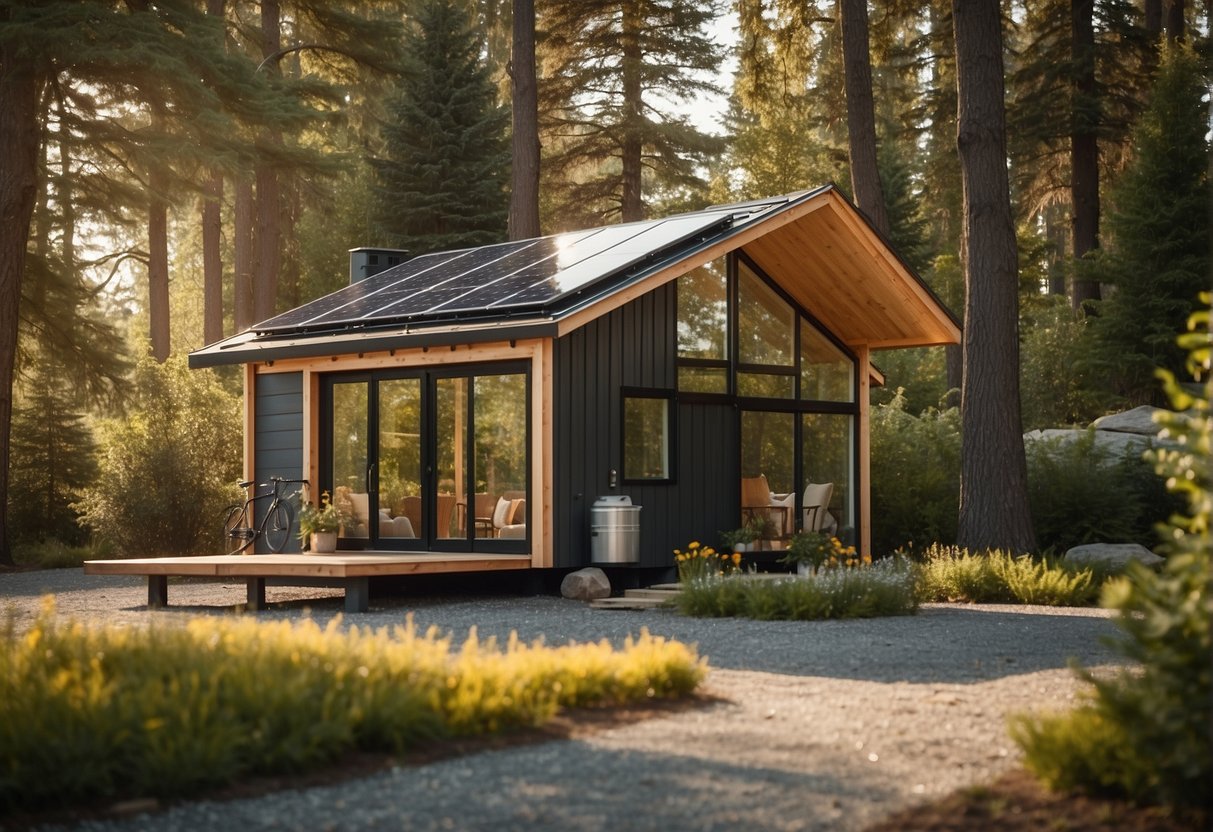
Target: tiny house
713,367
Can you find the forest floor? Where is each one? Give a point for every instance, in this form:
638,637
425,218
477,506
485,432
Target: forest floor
882,724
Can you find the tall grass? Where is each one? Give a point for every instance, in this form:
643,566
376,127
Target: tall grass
884,589
88,713
950,573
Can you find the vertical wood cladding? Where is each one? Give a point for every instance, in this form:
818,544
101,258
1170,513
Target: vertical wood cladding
278,436
635,346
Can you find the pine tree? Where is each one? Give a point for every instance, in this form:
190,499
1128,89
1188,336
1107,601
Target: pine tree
442,183
53,458
611,67
1158,259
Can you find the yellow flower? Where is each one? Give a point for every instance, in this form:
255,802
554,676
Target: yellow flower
867,559
694,544
737,558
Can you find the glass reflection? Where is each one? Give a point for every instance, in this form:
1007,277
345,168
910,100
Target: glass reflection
826,373
766,324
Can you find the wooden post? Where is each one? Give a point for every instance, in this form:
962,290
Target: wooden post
864,366
157,591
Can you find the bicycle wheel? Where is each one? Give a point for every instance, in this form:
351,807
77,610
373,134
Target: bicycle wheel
236,534
278,526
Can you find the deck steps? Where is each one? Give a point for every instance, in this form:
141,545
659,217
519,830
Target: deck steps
639,599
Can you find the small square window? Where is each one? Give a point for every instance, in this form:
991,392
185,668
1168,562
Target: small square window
648,436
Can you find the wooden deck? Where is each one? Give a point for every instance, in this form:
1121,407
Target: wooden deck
350,570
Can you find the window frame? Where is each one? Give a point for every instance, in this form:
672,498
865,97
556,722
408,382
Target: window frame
670,397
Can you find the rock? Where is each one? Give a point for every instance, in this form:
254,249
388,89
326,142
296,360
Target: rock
1113,557
1139,420
1115,444
586,584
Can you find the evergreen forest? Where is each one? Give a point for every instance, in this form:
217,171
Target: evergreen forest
172,172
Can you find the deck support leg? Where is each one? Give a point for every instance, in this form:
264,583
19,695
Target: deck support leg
357,594
157,591
256,593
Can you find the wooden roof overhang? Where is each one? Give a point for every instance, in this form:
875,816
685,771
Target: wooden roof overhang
828,258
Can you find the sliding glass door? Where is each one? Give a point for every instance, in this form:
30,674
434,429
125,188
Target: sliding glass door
429,460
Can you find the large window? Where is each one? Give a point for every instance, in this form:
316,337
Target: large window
647,435
795,387
433,459
703,329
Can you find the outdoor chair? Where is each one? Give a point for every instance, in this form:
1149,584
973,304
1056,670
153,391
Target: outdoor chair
816,503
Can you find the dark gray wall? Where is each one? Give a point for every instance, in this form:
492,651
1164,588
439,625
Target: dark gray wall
635,346
278,435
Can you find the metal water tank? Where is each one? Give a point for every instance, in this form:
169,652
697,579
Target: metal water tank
614,531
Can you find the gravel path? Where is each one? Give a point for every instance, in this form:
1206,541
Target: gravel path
821,725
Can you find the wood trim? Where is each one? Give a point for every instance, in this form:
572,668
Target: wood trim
311,433
864,356
250,421
543,459
415,357
751,233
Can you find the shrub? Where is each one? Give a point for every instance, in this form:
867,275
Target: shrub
949,573
87,712
1145,733
169,468
703,561
1081,492
886,588
915,476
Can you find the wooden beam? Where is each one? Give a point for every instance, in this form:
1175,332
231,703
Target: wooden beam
250,420
865,452
417,357
311,433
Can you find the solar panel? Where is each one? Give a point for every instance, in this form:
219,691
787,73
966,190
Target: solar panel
496,278
651,240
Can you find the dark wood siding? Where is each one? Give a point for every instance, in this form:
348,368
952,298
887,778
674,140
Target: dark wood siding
278,434
635,346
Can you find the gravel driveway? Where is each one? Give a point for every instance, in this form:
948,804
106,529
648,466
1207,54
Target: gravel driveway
820,725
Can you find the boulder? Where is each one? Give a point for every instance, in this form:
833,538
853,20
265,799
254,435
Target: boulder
1139,420
586,584
1112,557
1116,444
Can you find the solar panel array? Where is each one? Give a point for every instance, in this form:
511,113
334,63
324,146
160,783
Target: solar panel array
504,279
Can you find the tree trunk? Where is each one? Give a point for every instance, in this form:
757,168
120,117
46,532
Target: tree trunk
861,114
1153,16
269,252
1175,20
212,260
212,231
632,201
245,256
1084,147
157,266
524,172
19,142
994,509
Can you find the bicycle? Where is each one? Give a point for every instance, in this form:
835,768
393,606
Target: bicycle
239,530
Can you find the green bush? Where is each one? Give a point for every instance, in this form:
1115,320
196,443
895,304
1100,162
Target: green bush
952,574
90,713
54,554
915,476
1081,492
168,469
886,588
1145,733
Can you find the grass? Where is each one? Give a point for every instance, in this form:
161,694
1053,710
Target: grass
953,574
53,554
92,712
880,590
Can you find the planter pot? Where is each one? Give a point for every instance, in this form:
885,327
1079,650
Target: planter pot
323,542
742,547
804,568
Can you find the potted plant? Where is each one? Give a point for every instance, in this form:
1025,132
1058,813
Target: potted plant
738,540
810,551
319,524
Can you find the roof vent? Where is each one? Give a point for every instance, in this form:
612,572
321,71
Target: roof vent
365,262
